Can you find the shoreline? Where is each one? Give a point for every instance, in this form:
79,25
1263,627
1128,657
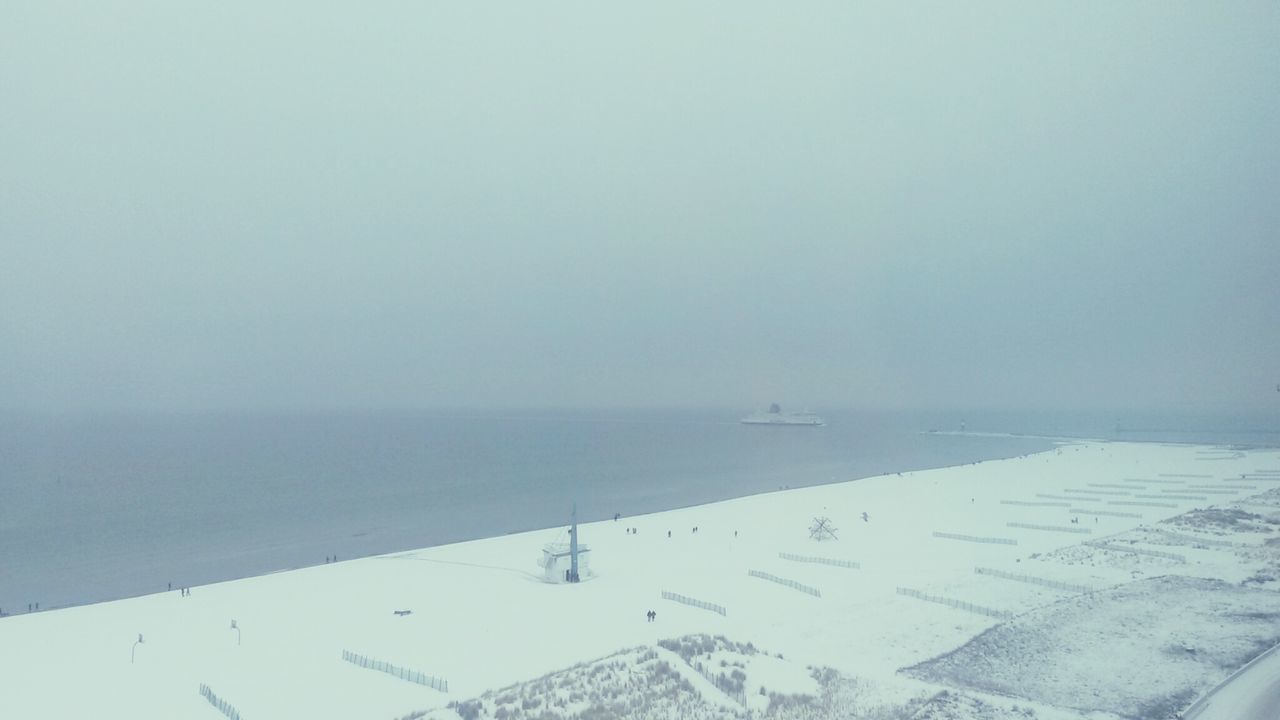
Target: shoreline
1054,440
479,616
233,557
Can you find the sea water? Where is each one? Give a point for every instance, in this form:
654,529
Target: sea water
104,507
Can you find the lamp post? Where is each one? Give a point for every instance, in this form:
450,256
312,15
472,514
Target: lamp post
133,651
237,629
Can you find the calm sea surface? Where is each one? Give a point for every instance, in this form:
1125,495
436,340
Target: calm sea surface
114,506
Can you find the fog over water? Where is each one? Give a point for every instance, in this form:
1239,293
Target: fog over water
241,206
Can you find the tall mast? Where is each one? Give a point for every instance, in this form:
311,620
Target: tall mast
573,546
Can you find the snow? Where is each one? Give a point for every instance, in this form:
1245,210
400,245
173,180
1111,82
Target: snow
1253,693
482,619
1187,629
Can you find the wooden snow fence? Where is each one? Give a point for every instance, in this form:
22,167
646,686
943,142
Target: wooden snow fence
957,604
787,582
403,673
222,705
693,602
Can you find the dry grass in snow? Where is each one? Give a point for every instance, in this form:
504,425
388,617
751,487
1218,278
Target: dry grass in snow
1143,650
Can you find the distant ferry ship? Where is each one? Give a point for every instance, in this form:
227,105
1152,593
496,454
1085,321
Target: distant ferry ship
775,416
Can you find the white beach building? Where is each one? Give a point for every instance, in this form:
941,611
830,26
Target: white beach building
557,562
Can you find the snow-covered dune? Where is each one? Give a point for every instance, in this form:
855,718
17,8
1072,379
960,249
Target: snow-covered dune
481,618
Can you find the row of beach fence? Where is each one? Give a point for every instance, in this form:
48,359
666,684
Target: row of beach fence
975,538
787,582
222,705
992,572
403,673
957,604
232,713
1052,584
808,589
693,602
1138,551
1050,528
851,564
951,602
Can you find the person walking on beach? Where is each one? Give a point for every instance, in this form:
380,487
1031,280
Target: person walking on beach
865,517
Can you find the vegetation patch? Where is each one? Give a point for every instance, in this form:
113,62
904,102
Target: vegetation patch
1067,653
699,677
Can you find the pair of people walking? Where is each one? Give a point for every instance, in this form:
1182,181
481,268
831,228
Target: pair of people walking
652,615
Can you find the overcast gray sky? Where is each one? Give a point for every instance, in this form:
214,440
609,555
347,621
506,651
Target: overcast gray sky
420,204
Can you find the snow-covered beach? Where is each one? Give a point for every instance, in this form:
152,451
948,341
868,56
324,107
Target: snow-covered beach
1071,543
